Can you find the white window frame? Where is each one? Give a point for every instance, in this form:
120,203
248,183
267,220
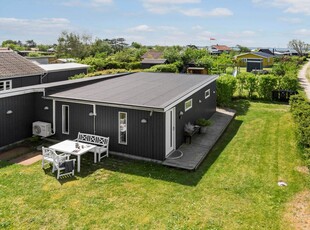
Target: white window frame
119,128
207,93
5,83
65,119
191,105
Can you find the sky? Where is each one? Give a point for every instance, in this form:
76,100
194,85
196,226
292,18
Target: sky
251,23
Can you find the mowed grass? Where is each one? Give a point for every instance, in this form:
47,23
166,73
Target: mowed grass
235,187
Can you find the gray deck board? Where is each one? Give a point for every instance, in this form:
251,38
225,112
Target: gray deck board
195,153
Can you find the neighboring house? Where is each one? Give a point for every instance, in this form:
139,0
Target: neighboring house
144,114
152,55
42,60
219,49
17,71
151,58
267,51
148,63
264,58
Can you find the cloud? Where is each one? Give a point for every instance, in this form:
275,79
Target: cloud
140,28
302,32
291,20
164,6
288,6
87,3
217,12
46,29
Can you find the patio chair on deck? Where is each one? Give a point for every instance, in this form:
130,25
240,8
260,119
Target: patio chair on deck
61,162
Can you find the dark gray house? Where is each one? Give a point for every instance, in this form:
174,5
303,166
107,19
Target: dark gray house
17,71
144,114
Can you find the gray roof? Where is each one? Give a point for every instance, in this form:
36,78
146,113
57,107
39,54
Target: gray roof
153,61
147,90
14,65
263,54
62,67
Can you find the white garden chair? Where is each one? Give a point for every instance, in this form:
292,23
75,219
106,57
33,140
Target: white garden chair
60,162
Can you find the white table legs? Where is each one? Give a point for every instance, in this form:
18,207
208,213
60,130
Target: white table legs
78,163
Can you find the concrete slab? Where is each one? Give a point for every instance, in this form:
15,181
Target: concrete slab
195,153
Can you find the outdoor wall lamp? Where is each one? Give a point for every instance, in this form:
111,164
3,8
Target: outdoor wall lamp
46,108
143,121
91,114
9,112
199,101
181,114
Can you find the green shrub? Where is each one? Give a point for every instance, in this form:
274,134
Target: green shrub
226,86
203,122
289,83
300,108
251,82
78,76
229,70
133,65
266,84
165,68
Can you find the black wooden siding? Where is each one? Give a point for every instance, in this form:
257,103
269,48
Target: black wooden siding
62,75
18,125
144,140
205,109
25,81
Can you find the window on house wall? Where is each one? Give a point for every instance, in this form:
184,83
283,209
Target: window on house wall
5,85
207,93
188,104
122,128
65,119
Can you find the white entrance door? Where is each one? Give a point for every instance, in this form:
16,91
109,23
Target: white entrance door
170,131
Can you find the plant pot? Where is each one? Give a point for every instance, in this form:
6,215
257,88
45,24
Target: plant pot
203,129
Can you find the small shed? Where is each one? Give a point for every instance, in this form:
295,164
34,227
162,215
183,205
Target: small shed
197,70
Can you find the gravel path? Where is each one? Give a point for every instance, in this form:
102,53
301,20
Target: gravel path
303,79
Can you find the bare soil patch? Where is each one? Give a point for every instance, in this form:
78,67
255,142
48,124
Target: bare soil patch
298,211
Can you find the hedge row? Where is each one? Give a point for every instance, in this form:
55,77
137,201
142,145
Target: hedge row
300,108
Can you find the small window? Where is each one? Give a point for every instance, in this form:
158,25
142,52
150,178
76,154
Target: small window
65,119
188,104
5,85
207,93
122,128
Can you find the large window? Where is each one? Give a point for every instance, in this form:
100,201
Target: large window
188,104
207,93
5,85
122,128
65,119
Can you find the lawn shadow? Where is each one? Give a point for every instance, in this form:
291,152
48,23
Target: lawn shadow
241,106
62,180
164,173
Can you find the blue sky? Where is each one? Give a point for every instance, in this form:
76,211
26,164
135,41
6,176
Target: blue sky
264,23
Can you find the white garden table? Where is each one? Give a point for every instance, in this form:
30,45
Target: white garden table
74,148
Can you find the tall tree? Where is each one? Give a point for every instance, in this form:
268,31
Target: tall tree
298,45
73,45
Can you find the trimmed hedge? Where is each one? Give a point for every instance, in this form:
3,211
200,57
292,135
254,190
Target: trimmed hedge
226,86
300,108
165,68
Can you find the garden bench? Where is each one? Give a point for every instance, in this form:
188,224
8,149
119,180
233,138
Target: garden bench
102,143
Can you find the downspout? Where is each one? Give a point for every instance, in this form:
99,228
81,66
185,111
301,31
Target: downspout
54,118
94,117
42,76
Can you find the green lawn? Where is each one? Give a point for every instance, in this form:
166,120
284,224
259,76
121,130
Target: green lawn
235,188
